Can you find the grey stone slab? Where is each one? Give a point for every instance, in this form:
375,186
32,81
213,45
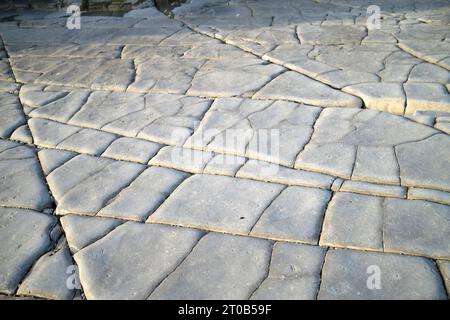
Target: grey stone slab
11,114
6,73
48,133
334,159
22,134
52,159
10,150
373,189
427,72
91,194
297,87
430,195
95,73
39,49
417,227
443,126
425,163
270,131
295,57
294,273
164,75
74,171
367,128
365,59
8,86
346,275
444,267
395,73
295,215
426,96
218,203
188,160
353,221
388,97
226,165
82,231
144,195
376,164
184,37
163,118
25,236
219,267
64,108
427,49
280,131
344,78
141,52
270,172
87,141
110,270
424,119
225,113
331,35
21,181
216,51
232,77
48,278
337,183
103,107
247,44
130,149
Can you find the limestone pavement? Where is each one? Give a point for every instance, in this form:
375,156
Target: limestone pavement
131,163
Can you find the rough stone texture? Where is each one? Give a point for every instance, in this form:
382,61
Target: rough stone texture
270,131
52,159
189,160
427,96
21,181
129,149
294,273
217,203
260,170
81,231
48,277
345,275
333,159
144,195
367,128
373,189
407,229
227,78
219,267
96,181
162,118
368,168
296,87
380,96
224,165
296,215
11,114
444,267
430,195
416,170
110,270
353,221
24,237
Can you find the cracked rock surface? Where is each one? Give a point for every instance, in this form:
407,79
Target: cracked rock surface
239,150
